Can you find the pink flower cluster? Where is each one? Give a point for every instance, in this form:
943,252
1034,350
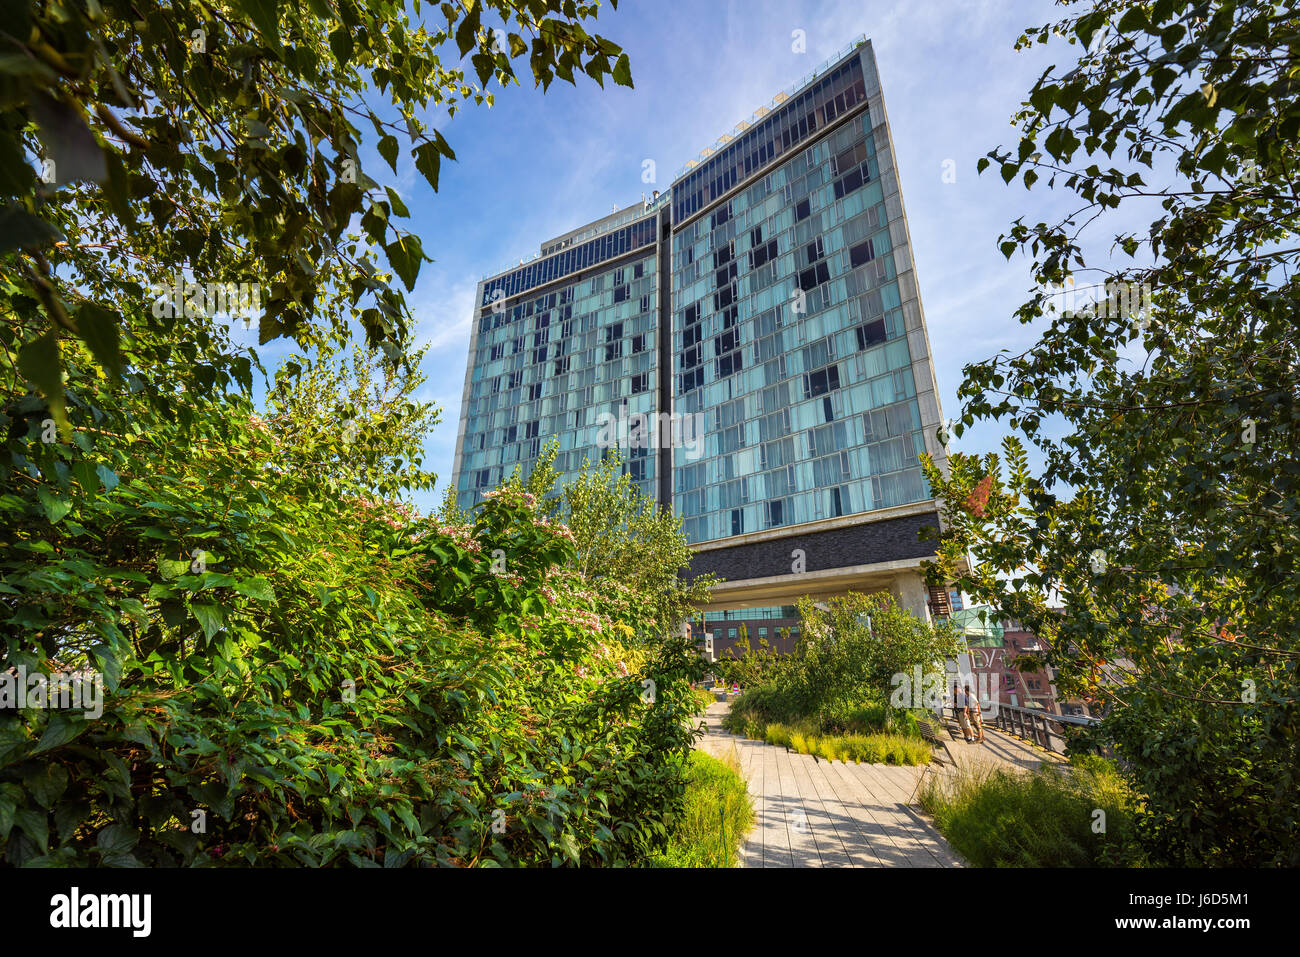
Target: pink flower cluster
510,496
583,619
392,514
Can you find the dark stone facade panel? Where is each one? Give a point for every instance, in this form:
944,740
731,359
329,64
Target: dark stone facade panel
884,541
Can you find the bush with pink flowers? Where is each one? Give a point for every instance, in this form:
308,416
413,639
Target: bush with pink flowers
322,678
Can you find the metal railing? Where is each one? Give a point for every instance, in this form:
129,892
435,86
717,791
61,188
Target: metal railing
1034,724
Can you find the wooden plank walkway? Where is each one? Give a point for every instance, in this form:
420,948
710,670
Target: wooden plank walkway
816,813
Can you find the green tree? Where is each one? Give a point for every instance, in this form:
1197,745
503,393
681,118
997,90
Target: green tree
220,143
620,534
1165,516
851,647
356,412
751,666
449,512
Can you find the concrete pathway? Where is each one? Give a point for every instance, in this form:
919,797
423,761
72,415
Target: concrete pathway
816,813
999,749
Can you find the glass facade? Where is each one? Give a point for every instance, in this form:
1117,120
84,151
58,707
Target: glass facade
788,332
752,614
781,323
796,120
599,250
549,366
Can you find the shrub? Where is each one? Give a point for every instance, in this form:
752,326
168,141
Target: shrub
328,678
849,653
716,814
777,734
839,676
762,703
873,716
1002,818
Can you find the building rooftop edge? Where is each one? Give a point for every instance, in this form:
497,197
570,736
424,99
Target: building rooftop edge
635,211
775,102
589,230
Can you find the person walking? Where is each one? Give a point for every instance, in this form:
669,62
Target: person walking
976,715
961,704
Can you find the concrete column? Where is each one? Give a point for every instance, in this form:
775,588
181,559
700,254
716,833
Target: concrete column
909,588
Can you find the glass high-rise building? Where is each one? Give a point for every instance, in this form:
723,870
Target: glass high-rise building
766,302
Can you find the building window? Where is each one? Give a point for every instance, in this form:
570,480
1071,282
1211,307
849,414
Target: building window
820,382
860,254
775,513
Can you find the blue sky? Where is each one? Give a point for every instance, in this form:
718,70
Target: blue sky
535,165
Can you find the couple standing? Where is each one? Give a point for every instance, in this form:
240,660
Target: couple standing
969,718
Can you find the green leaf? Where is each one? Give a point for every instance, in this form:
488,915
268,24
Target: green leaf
61,729
7,808
428,160
623,71
46,783
1134,19
257,587
86,477
39,362
170,568
388,148
265,15
106,476
211,618
35,824
55,506
117,839
71,145
399,207
19,229
341,45
569,846
99,329
467,30
405,256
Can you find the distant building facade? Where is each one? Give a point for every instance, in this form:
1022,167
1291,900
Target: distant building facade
752,341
